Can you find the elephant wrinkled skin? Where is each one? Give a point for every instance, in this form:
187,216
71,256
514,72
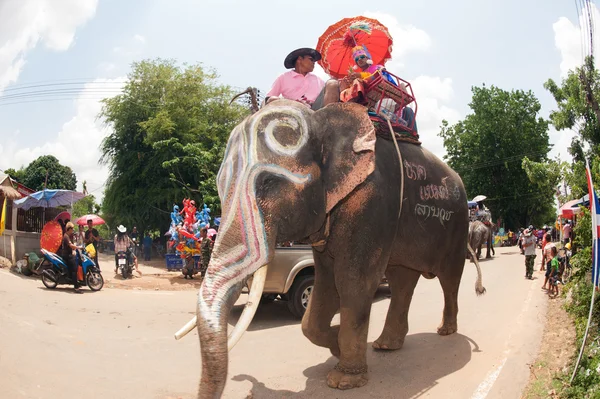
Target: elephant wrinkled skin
479,234
290,173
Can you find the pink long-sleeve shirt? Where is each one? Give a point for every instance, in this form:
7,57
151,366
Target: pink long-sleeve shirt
294,86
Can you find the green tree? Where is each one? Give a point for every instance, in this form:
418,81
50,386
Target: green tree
576,108
15,174
34,175
487,149
86,205
170,128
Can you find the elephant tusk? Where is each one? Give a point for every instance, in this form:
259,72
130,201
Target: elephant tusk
256,290
183,331
258,284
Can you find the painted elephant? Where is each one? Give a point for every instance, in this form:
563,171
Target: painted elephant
479,234
290,173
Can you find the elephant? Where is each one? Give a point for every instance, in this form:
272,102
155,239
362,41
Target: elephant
479,234
290,173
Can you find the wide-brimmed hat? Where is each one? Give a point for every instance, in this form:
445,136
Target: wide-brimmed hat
290,60
122,229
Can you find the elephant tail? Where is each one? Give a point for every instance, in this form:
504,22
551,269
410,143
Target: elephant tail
479,288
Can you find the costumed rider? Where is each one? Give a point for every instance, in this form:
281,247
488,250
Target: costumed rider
352,87
299,83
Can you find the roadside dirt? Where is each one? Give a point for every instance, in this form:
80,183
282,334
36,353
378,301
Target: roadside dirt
154,276
556,352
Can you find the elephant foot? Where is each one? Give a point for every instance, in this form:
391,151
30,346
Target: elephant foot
342,378
388,344
489,257
447,329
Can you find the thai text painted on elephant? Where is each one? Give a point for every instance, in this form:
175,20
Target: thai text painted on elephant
433,191
433,211
415,171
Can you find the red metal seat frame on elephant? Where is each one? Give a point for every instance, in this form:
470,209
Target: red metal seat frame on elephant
378,88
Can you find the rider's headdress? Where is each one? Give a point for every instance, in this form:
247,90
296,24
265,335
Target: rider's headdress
357,51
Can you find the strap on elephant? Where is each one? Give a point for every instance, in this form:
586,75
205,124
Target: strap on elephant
386,132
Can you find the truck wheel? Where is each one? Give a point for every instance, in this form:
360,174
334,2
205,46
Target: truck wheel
300,294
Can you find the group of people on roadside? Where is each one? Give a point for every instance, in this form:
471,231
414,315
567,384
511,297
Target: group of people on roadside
550,262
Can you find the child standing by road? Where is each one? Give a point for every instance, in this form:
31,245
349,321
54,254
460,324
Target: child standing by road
555,267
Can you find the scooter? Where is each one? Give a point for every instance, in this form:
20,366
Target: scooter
58,272
124,263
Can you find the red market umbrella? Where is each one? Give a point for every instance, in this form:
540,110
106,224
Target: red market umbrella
335,45
96,220
570,209
51,237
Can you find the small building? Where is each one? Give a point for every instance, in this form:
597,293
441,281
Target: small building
22,228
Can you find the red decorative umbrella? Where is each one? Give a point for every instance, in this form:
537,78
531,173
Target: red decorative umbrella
96,220
335,45
52,235
63,216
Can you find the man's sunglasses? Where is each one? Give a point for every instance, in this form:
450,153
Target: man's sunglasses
360,57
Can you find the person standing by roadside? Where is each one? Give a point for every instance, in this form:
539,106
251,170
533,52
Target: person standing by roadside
546,258
92,237
68,254
80,236
205,250
567,232
529,241
136,240
147,247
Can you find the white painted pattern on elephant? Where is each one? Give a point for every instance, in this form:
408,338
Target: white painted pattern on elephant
427,211
280,148
234,265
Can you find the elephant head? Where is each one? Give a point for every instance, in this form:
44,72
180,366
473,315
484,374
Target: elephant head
284,169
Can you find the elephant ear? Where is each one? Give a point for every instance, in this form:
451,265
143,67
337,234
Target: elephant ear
348,148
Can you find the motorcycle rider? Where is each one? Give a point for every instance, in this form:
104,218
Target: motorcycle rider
68,254
122,244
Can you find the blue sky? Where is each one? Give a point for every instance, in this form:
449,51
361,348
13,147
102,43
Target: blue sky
444,48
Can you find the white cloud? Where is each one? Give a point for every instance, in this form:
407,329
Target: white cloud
77,145
433,95
139,38
25,23
571,42
407,38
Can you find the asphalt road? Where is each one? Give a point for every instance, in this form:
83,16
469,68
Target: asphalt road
119,343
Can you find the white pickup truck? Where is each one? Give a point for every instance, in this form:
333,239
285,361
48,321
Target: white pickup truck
291,277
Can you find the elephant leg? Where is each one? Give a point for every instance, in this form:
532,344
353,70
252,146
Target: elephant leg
324,302
450,285
357,280
489,245
402,283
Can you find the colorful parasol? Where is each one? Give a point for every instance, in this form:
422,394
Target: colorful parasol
96,220
63,216
51,237
335,45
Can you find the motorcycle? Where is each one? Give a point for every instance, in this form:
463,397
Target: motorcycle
124,263
57,271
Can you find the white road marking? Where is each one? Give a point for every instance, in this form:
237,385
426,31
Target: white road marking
486,385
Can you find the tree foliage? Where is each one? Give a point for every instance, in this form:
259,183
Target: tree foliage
170,128
34,175
488,147
86,205
575,110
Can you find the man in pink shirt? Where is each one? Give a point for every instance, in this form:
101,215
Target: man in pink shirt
299,83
